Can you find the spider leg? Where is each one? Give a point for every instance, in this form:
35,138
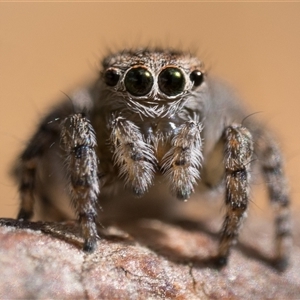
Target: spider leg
134,157
272,168
25,171
238,153
27,186
182,162
78,140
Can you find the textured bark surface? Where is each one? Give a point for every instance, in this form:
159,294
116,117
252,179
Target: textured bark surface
146,259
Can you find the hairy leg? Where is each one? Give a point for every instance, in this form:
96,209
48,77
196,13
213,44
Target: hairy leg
238,154
25,171
272,169
79,142
182,162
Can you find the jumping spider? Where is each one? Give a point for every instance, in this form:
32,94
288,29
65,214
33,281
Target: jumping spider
153,113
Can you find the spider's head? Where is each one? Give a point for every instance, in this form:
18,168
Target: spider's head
154,83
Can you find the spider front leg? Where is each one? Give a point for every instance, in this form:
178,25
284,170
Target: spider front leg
79,142
182,162
238,154
134,157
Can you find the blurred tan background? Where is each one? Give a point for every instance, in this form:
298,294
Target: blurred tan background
50,48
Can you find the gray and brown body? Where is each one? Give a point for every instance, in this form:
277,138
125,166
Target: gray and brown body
152,114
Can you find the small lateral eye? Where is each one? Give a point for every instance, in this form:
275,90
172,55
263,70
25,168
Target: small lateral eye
197,77
171,81
138,81
111,77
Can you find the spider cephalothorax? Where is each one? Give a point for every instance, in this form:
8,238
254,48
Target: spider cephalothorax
153,83
151,113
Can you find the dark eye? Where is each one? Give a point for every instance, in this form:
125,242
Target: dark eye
197,77
171,81
111,77
138,81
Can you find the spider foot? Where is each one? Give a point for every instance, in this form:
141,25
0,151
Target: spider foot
89,245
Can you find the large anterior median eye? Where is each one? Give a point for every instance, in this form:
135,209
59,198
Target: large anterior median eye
138,81
171,81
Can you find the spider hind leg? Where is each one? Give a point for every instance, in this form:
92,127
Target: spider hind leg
272,168
26,170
